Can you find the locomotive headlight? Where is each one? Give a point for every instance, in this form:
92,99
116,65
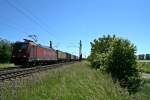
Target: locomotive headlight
13,56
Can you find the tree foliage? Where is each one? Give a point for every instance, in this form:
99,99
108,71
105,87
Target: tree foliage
116,56
5,51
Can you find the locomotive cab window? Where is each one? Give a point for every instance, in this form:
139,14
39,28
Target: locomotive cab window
21,46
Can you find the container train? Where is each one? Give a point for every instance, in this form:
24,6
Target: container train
28,53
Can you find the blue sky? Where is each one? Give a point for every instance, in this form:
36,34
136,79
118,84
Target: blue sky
65,22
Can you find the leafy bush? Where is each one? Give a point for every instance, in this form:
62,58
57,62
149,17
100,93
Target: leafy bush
5,51
99,51
116,56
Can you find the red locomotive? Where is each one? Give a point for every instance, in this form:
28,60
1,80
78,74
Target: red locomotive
28,53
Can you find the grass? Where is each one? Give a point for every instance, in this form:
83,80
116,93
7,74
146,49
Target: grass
71,82
6,65
144,93
144,66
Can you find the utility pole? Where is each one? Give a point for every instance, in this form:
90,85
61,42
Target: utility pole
80,50
50,44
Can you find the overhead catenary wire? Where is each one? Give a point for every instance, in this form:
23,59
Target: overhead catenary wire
20,11
44,25
27,15
14,27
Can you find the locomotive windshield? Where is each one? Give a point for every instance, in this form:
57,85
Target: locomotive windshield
20,46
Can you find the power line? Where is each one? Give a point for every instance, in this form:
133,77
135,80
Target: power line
28,16
14,27
20,11
33,16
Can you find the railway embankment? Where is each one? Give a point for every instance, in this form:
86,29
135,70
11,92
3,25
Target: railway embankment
70,82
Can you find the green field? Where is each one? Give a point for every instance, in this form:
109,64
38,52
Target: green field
6,65
144,66
71,82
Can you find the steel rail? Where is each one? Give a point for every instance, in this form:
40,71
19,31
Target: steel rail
13,74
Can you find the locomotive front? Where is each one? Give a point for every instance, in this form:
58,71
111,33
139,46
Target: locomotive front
20,53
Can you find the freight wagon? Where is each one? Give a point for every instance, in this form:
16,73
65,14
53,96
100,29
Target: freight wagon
61,56
147,56
68,57
141,57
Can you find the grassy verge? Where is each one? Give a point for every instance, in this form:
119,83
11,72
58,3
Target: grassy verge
6,65
71,82
144,66
144,93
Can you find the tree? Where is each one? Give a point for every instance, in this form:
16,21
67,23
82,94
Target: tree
116,56
5,51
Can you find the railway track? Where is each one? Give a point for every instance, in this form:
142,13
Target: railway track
14,73
10,69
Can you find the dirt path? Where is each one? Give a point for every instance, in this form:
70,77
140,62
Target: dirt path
145,75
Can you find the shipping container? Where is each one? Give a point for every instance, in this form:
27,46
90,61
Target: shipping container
147,57
72,57
68,56
61,55
141,57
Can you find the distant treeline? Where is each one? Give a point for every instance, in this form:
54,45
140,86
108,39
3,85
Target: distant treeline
5,50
